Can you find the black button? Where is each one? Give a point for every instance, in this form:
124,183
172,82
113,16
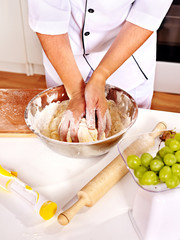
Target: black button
90,10
86,33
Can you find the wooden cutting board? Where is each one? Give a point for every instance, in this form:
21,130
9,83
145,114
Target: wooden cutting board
13,103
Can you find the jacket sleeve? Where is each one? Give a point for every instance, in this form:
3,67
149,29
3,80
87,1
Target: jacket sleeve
148,14
49,16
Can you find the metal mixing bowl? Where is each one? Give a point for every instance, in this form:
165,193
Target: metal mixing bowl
80,150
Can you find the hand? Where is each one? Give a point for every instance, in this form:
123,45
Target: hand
72,118
96,106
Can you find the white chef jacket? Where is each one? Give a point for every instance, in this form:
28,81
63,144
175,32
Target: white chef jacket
92,26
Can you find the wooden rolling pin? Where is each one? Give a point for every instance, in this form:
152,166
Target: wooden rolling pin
110,175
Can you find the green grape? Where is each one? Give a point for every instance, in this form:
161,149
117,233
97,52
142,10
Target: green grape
146,159
177,136
165,150
168,141
156,165
172,182
176,169
174,145
177,155
157,157
133,161
149,178
169,159
165,173
139,171
164,167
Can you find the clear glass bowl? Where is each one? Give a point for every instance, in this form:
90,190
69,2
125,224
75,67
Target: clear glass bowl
138,144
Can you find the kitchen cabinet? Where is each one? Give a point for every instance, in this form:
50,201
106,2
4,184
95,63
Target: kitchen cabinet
12,47
167,77
168,52
33,47
20,50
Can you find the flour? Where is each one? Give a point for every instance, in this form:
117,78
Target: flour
43,118
47,121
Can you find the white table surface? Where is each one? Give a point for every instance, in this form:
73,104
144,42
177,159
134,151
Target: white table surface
59,179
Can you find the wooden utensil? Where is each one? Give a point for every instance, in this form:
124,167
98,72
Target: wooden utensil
110,175
13,103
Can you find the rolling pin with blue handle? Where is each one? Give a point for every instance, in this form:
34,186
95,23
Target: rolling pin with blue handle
45,208
110,175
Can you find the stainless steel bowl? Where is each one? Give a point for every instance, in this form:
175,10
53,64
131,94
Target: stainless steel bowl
80,150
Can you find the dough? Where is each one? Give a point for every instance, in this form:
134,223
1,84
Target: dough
84,134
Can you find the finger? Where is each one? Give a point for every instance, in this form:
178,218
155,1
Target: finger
101,124
90,117
74,130
64,126
108,122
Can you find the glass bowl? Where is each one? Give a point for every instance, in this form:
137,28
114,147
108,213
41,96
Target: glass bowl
139,144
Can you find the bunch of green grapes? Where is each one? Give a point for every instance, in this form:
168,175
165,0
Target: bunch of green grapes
164,167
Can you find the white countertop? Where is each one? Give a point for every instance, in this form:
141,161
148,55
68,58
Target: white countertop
59,179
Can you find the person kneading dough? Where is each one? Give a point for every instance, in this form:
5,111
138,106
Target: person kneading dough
84,133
